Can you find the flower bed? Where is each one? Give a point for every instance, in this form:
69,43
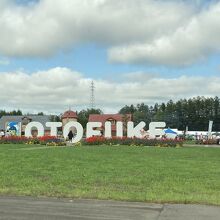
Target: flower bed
14,140
208,142
45,140
132,142
54,141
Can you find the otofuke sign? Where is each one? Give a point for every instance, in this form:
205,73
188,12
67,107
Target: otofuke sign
155,129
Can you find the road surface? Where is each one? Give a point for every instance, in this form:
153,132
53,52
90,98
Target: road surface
27,208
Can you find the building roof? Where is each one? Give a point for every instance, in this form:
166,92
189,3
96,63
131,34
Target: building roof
69,114
106,117
18,118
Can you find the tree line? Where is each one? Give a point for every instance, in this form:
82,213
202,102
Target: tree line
14,112
194,113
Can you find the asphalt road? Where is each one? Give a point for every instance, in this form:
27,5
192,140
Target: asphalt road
26,208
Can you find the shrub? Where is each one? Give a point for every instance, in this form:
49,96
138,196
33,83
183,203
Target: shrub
40,140
55,144
78,144
132,142
48,139
14,140
207,142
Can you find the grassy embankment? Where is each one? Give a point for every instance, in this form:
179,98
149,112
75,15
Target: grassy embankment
179,175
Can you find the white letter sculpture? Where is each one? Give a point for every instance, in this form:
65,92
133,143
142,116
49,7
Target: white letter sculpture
53,127
108,129
79,131
119,129
156,129
34,124
135,131
90,129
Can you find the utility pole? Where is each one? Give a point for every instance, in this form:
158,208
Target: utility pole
92,97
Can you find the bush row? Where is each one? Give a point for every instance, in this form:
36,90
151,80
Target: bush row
208,142
45,140
132,142
54,141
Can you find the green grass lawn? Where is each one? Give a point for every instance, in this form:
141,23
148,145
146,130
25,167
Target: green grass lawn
181,175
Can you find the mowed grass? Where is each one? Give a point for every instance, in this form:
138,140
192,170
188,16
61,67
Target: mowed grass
182,175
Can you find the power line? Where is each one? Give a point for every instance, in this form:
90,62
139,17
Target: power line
92,97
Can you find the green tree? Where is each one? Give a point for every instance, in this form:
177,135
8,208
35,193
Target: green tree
83,115
55,118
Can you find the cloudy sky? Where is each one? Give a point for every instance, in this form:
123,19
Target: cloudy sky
134,50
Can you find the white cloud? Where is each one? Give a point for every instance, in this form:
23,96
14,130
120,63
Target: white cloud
56,89
147,31
191,42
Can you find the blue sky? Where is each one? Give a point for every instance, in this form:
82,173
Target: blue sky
92,60
134,48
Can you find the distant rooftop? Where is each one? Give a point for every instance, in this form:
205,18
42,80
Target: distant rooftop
69,114
18,118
